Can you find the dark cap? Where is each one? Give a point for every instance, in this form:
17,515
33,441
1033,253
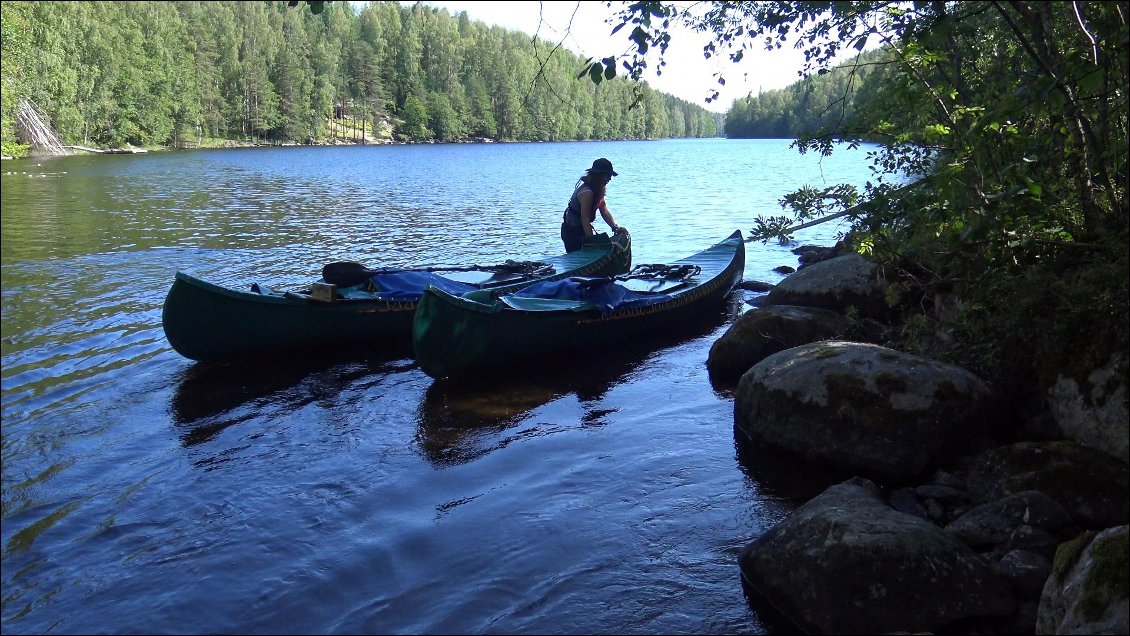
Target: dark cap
603,166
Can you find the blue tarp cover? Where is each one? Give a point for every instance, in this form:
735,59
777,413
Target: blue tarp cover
409,285
603,293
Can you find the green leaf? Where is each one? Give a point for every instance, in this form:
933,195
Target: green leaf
595,73
1091,83
639,36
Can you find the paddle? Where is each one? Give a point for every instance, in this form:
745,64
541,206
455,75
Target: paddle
347,273
350,273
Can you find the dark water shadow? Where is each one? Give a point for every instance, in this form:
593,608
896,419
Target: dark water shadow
786,478
462,420
781,475
740,302
211,397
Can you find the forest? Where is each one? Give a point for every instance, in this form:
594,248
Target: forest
817,102
190,73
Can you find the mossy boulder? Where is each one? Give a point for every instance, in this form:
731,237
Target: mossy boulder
1087,590
836,284
847,563
860,408
759,333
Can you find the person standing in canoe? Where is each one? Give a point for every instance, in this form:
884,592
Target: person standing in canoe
588,197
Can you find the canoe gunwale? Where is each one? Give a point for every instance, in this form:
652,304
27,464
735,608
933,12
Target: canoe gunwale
679,298
292,299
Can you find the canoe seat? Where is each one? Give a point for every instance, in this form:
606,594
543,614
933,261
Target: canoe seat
545,304
605,294
486,279
357,292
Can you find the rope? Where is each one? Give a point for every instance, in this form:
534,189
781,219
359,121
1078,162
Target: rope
535,268
668,272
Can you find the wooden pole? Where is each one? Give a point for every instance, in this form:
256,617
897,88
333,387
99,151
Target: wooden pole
853,209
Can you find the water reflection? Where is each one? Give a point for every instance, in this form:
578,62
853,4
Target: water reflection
212,397
462,420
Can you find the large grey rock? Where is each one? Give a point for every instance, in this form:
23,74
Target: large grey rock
1093,410
1091,485
994,522
860,407
1026,571
846,563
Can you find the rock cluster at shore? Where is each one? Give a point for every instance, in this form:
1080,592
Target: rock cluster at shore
943,512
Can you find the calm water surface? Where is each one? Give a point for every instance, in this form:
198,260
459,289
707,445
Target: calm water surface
146,493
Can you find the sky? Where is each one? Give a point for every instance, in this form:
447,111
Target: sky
687,75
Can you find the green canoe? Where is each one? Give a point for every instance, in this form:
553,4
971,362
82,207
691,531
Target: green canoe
208,322
454,335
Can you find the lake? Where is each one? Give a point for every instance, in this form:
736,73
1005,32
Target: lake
146,493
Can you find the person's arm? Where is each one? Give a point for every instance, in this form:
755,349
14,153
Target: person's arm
607,214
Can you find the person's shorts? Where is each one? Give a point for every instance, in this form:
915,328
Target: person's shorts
573,237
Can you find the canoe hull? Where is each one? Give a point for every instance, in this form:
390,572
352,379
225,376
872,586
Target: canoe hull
456,336
207,322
